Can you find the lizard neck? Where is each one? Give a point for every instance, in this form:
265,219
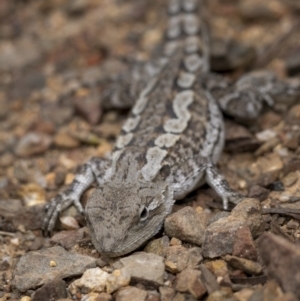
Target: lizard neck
126,166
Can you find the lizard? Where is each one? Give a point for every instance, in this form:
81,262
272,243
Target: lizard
170,143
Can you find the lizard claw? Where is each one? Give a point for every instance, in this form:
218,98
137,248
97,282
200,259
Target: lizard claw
61,202
232,197
78,205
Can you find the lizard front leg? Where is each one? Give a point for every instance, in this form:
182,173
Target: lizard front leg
88,173
218,182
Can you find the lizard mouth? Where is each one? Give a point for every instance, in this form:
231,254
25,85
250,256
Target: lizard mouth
114,251
108,247
116,248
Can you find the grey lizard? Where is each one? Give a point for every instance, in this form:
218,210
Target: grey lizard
171,141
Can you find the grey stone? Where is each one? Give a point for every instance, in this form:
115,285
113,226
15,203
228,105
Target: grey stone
38,267
146,268
92,280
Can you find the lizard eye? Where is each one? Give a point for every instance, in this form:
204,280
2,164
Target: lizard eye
144,212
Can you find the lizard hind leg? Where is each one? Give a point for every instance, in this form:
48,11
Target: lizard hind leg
217,181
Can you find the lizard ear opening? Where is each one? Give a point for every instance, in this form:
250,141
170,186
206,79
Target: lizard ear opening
144,212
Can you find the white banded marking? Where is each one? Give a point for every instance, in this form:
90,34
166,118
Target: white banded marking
210,148
153,68
171,47
175,125
153,205
192,44
142,100
111,170
193,62
180,107
131,123
174,27
189,5
163,61
181,103
186,80
190,24
154,156
123,140
174,7
166,140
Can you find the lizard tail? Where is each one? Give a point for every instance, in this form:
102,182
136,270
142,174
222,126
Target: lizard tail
186,26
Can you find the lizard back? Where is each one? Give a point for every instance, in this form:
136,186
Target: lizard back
174,125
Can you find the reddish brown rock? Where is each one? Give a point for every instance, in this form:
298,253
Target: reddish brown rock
282,261
220,236
186,225
188,281
52,290
243,245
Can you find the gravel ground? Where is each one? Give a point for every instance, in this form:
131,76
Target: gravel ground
55,58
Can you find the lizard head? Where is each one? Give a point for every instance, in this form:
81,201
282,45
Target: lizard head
123,217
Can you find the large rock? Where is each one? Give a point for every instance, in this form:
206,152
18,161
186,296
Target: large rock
282,261
146,268
38,267
220,236
187,225
244,245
